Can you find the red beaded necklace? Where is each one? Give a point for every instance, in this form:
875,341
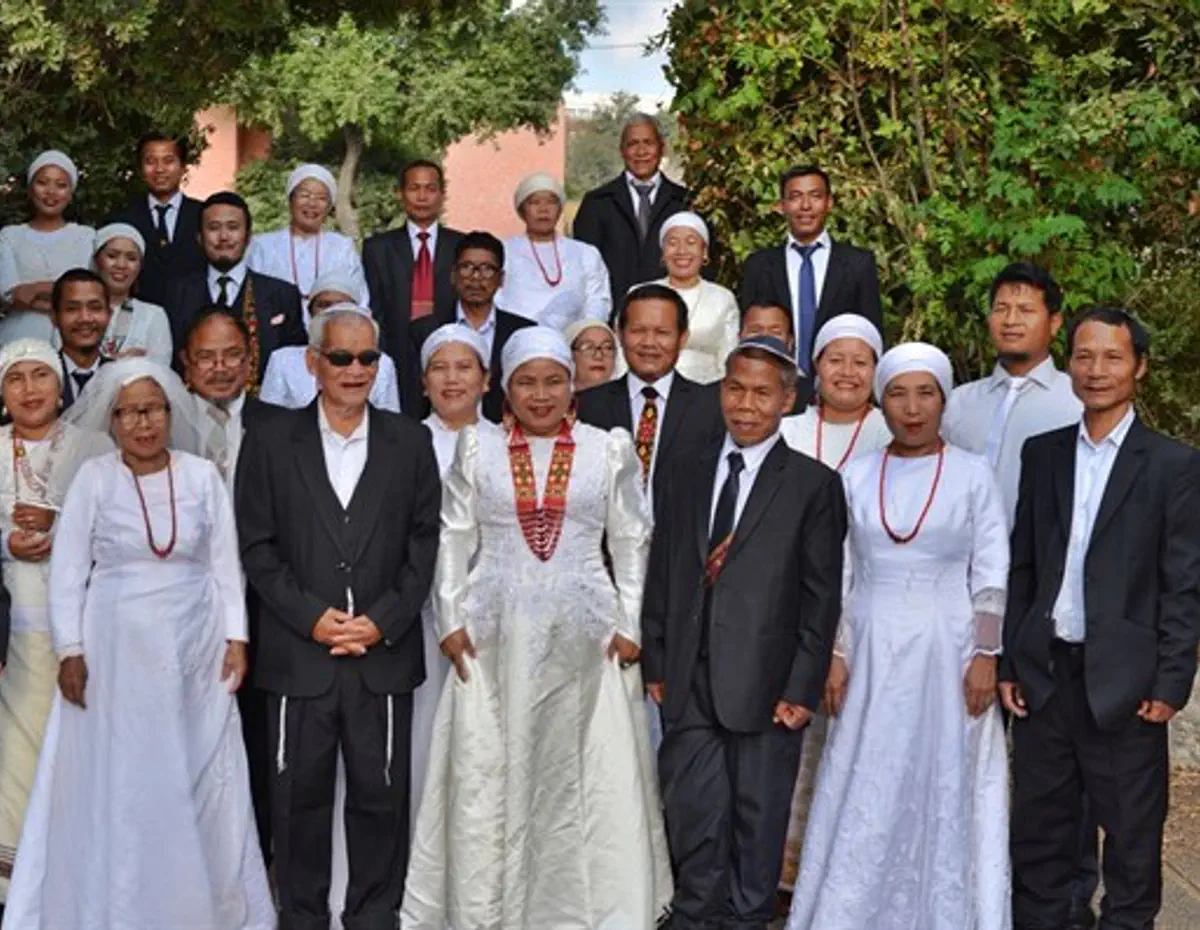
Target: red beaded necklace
853,439
170,547
541,526
552,282
897,538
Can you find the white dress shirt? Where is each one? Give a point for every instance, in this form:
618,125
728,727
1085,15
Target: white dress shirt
287,382
752,458
73,369
656,185
414,232
236,275
345,456
820,262
637,402
1045,403
487,330
172,218
1093,466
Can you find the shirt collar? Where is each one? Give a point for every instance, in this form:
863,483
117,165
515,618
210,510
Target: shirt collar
327,431
655,182
72,368
488,325
1116,437
1042,375
236,274
414,230
175,202
753,456
825,241
662,385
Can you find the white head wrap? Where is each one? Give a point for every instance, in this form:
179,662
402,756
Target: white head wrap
579,327
848,326
540,183
93,409
29,350
317,173
534,342
914,356
334,280
59,160
454,332
106,234
318,323
685,220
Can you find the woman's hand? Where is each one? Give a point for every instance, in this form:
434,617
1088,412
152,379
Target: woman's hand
835,687
626,651
979,684
456,647
29,546
72,680
34,518
235,666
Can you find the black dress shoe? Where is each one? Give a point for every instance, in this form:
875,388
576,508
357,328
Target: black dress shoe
1082,920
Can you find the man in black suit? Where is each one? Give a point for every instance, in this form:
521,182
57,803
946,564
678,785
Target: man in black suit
408,273
81,313
741,607
1100,635
477,276
168,219
812,274
666,414
338,507
270,307
623,217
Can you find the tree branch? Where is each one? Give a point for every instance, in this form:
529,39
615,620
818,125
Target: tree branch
915,85
347,216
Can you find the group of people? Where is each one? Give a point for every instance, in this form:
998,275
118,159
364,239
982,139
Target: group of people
546,584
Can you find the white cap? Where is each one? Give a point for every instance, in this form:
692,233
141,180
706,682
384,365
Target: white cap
539,183
450,333
534,342
684,220
848,326
914,356
59,160
106,234
29,350
317,173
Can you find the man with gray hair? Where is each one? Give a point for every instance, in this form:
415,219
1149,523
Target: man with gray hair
623,217
337,508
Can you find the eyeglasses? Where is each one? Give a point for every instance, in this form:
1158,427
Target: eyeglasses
340,358
596,349
206,360
484,271
129,417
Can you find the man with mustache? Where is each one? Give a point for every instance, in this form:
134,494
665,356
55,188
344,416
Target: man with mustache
81,313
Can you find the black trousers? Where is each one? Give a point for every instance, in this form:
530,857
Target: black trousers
355,720
253,708
1060,755
727,798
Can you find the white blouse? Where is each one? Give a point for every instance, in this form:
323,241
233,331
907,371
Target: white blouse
137,324
713,323
800,433
272,253
287,381
580,290
28,255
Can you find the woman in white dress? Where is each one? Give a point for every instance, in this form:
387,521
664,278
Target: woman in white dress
594,349
842,425
540,806
713,317
137,327
549,277
909,823
42,454
287,381
140,817
303,251
34,254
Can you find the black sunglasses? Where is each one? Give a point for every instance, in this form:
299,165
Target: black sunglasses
340,358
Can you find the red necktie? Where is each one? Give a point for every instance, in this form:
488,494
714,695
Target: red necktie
422,280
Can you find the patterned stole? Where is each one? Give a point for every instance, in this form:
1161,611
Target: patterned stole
250,317
541,526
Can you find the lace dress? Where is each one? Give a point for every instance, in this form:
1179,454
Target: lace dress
540,808
909,824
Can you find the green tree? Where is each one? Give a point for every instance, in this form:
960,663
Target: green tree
961,134
415,83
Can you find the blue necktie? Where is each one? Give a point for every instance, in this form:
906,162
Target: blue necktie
808,304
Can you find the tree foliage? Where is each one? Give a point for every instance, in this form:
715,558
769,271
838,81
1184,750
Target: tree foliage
961,134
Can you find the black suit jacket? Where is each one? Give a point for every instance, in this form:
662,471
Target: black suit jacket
606,220
276,305
301,549
776,603
1142,573
388,264
70,393
493,400
691,422
5,622
163,265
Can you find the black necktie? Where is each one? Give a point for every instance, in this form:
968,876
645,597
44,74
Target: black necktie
722,525
164,237
223,284
81,378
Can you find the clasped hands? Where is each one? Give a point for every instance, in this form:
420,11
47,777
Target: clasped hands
30,539
346,634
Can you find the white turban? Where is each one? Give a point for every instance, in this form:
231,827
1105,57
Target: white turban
534,342
914,356
848,326
540,183
451,333
59,160
106,234
29,350
318,322
579,327
337,281
685,220
317,173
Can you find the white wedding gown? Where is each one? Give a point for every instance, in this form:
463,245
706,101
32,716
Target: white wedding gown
908,828
540,808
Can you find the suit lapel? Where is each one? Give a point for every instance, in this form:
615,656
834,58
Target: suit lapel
365,509
826,306
310,462
622,198
703,498
766,486
1128,464
1064,480
443,257
782,285
618,399
678,403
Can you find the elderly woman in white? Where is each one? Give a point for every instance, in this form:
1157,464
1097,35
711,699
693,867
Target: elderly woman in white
713,317
136,327
549,277
303,251
287,381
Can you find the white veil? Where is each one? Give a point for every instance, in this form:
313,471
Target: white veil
93,409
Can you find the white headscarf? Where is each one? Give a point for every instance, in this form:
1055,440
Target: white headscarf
450,333
848,326
29,350
317,173
914,356
93,410
534,342
59,160
334,280
579,327
106,234
539,183
685,220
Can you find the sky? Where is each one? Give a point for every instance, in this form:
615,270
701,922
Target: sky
616,61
